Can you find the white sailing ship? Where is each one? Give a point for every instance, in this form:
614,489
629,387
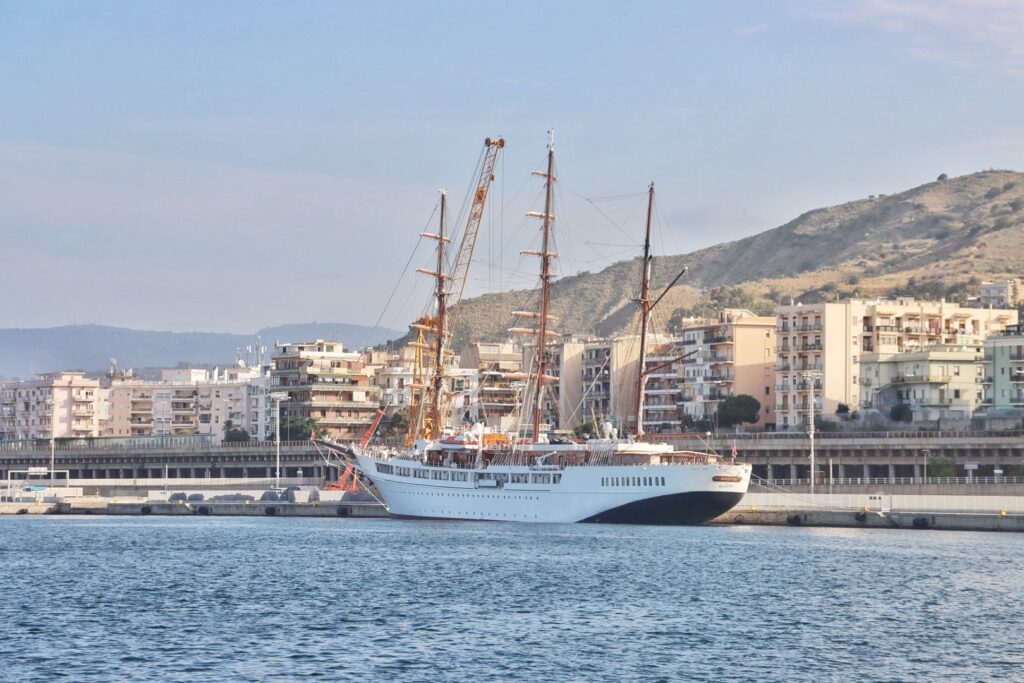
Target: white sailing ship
527,477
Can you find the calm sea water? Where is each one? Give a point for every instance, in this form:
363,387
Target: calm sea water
232,599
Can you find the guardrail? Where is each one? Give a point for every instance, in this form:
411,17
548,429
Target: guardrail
874,481
908,435
101,444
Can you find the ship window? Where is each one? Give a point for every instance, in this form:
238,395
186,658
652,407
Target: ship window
663,481
555,478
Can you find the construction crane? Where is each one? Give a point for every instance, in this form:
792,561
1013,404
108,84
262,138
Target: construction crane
430,406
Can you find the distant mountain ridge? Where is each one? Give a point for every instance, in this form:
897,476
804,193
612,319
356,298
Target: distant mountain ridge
935,240
27,352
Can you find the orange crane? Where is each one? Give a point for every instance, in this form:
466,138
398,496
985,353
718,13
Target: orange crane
429,407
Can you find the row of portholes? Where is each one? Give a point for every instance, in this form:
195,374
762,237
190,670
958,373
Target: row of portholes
472,495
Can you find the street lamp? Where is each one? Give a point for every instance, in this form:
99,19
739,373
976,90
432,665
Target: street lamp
810,377
277,397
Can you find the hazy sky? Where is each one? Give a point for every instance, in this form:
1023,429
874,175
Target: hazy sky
228,165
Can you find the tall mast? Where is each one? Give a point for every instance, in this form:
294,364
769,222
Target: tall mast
438,379
545,292
645,312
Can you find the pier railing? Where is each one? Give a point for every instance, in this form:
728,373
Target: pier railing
890,481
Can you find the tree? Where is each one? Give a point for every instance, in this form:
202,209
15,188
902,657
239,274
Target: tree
397,423
586,430
298,428
738,409
943,176
233,434
901,412
842,409
941,466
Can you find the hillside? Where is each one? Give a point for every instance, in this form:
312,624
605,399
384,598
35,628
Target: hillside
26,352
935,240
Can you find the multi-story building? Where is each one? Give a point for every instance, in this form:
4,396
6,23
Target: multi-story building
733,354
820,345
394,374
1003,294
610,368
54,405
563,400
188,401
662,388
1004,379
333,386
500,389
938,383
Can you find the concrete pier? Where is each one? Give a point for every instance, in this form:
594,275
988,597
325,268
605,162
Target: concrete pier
948,521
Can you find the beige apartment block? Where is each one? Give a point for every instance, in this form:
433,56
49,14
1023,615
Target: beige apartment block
500,388
732,355
938,383
327,383
54,405
829,339
610,368
563,400
186,401
662,388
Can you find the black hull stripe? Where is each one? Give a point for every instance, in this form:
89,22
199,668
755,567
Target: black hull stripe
695,507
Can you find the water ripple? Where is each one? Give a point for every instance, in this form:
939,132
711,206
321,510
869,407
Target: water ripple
184,599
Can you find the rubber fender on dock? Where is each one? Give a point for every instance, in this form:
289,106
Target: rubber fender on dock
270,510
203,510
921,523
794,520
861,516
342,511
146,510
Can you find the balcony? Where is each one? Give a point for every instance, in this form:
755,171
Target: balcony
808,327
718,339
920,379
809,346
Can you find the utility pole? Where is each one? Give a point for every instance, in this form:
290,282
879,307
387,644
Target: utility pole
811,377
277,397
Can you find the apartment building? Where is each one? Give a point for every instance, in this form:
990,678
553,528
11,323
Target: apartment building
188,401
731,355
53,405
1002,294
820,345
662,388
938,383
327,383
1004,378
500,383
563,400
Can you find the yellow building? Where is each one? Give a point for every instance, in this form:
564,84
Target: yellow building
734,355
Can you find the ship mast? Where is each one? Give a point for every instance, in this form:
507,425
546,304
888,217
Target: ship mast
545,293
438,379
645,313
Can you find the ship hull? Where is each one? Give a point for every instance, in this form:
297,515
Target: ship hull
694,507
662,495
